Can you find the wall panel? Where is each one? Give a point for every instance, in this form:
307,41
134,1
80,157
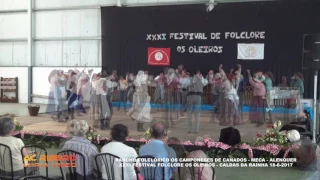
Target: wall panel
68,53
13,53
72,3
13,4
13,26
69,23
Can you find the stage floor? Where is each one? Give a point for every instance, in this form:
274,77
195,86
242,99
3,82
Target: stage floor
43,123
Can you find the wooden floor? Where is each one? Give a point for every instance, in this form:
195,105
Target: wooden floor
43,123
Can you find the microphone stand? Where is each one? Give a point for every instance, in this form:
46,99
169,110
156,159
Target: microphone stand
315,106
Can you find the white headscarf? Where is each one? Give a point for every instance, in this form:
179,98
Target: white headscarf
139,79
170,76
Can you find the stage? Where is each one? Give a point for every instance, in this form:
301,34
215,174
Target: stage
44,123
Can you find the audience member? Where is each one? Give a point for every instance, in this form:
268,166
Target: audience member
82,145
187,173
205,173
7,126
158,149
307,159
119,132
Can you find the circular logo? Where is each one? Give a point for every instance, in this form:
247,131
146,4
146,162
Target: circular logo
251,51
158,56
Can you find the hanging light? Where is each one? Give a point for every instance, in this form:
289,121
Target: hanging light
210,5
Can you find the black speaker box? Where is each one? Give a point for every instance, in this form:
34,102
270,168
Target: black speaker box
312,43
311,60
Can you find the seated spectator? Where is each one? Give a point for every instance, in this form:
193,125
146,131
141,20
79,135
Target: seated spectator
7,126
206,172
119,132
307,159
185,173
158,149
82,145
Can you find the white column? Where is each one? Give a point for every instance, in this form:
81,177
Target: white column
30,48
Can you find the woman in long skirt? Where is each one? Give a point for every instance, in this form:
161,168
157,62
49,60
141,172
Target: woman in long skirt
230,111
160,90
256,114
51,107
141,108
269,95
171,113
95,102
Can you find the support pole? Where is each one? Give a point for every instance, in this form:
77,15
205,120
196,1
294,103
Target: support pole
315,107
30,49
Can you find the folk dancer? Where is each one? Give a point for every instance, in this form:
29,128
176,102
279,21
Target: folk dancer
216,91
141,108
259,92
208,89
123,86
184,84
229,111
269,95
171,113
194,98
58,81
104,109
110,84
130,80
160,89
95,101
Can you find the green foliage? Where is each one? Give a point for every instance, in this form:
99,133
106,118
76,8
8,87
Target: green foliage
219,153
41,141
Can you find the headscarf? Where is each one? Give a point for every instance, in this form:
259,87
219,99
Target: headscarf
170,76
139,79
52,74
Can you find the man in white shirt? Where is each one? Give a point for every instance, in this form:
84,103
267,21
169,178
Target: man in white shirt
119,134
194,100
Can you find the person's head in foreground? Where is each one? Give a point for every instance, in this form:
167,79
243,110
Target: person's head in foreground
119,132
81,128
158,130
177,146
7,126
307,155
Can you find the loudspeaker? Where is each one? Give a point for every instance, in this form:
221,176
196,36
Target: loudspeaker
311,60
311,51
312,43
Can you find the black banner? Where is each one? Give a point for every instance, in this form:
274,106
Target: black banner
201,40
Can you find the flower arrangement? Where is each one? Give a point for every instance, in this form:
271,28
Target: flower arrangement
147,134
92,134
272,136
18,125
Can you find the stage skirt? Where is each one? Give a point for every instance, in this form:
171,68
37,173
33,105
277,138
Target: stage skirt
95,104
256,114
141,108
51,107
230,114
